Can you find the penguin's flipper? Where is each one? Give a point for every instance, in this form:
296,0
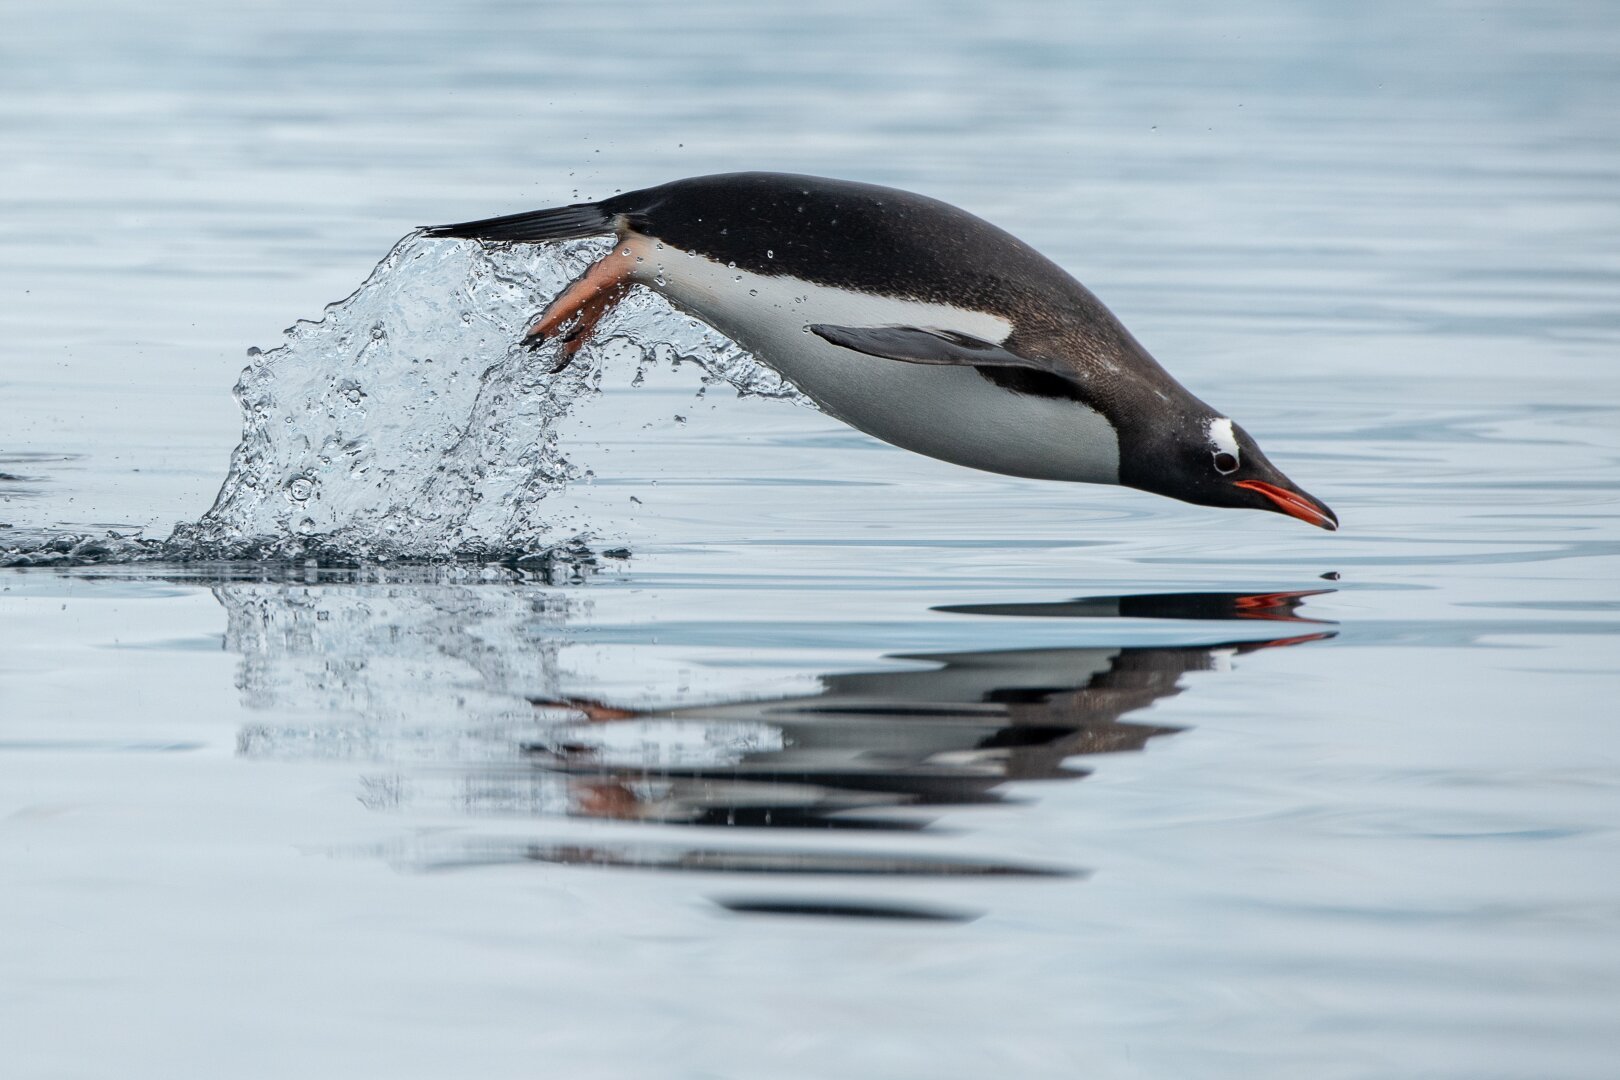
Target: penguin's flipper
914,345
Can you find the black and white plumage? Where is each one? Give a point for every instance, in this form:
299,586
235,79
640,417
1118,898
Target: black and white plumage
913,321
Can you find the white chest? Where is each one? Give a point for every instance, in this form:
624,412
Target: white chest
951,413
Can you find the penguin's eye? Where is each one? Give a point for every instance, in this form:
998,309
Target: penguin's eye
1225,463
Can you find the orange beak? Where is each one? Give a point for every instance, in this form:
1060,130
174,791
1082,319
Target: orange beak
1294,504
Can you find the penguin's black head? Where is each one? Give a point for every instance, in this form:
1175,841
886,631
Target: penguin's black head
1207,459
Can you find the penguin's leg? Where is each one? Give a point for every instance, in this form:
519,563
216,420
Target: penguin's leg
611,799
581,306
595,712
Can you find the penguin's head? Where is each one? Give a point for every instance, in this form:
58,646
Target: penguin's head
1205,458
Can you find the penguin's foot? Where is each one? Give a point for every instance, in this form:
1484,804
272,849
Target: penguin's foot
610,799
576,311
594,711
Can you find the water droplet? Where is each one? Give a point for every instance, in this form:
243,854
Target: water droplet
679,419
753,292
769,254
306,526
300,488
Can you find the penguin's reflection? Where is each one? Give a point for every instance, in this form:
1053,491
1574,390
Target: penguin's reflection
868,748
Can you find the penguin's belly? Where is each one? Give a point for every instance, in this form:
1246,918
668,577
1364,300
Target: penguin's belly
951,413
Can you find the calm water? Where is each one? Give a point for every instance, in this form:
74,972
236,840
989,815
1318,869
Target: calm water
860,764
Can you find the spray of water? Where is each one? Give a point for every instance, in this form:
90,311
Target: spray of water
408,424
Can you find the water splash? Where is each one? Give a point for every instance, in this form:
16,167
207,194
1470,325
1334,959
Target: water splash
409,424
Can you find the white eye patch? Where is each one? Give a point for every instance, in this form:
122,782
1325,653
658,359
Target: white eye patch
1224,441
1222,437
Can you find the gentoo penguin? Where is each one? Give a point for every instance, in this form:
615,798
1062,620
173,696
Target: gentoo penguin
913,321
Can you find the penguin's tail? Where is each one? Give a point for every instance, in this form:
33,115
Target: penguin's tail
536,226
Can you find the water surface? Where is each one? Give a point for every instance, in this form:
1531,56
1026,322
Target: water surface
859,764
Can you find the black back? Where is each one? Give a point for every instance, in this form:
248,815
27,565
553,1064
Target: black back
857,236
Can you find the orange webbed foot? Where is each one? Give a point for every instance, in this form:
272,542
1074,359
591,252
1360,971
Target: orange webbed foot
581,306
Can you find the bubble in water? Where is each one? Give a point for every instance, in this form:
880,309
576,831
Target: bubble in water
300,488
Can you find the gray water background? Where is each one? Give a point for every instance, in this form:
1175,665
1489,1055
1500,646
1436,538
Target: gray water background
261,825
